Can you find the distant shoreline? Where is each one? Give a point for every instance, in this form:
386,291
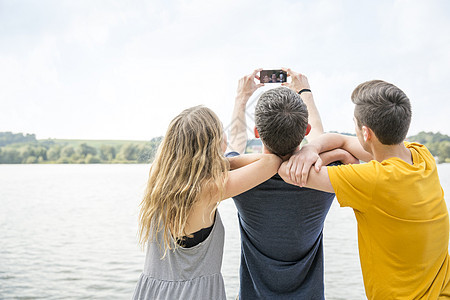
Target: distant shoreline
17,148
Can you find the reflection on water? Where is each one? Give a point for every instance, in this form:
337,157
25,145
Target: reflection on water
69,231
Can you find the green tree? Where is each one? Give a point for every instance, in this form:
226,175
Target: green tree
443,152
85,149
64,160
151,148
146,153
54,153
31,160
41,153
76,158
437,143
107,153
67,151
91,159
128,152
11,156
7,138
27,151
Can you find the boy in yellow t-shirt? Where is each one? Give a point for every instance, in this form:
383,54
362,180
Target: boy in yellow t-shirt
403,223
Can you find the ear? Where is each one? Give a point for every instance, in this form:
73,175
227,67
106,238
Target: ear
367,133
256,133
308,129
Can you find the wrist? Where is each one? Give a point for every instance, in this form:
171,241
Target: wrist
305,90
314,147
242,99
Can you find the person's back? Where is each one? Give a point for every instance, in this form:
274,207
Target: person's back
281,225
281,241
403,225
403,222
178,221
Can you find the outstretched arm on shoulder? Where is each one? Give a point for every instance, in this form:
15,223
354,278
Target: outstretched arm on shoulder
249,170
299,165
316,180
330,141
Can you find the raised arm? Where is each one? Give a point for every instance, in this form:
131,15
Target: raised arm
300,82
238,129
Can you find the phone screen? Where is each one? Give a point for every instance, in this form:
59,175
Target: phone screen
272,76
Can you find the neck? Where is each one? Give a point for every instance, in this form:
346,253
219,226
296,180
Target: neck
382,152
283,158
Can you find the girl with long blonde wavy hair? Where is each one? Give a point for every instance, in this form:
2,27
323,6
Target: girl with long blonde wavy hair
178,220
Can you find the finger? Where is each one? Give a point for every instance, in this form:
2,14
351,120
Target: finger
256,71
290,71
318,165
286,70
298,174
259,85
257,77
305,173
288,165
292,170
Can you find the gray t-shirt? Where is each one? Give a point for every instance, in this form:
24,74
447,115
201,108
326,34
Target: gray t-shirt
281,240
186,273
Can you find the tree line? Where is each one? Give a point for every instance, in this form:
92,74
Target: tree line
437,143
17,148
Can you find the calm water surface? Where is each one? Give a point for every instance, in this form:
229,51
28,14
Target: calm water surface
69,232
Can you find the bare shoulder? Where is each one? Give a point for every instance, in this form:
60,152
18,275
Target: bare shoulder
210,193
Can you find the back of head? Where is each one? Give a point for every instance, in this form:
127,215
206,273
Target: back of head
384,108
194,137
189,159
281,118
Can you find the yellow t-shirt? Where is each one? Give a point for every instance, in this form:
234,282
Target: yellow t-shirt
403,225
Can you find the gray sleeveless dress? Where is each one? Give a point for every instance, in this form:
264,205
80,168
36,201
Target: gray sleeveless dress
186,273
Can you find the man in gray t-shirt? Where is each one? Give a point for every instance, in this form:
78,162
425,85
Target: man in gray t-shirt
281,224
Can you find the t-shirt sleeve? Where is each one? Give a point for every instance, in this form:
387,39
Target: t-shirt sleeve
353,184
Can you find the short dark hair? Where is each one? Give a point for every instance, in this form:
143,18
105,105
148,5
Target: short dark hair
281,118
384,108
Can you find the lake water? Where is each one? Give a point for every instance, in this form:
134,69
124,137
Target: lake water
69,232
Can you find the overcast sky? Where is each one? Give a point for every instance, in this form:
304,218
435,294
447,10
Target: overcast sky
124,69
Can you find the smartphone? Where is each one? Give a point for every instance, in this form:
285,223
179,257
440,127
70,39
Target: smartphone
272,76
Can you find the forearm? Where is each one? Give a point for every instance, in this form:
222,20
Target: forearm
238,129
240,161
338,155
300,82
270,163
252,171
314,117
299,165
330,141
316,180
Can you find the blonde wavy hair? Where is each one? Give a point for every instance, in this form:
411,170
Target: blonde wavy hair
188,160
